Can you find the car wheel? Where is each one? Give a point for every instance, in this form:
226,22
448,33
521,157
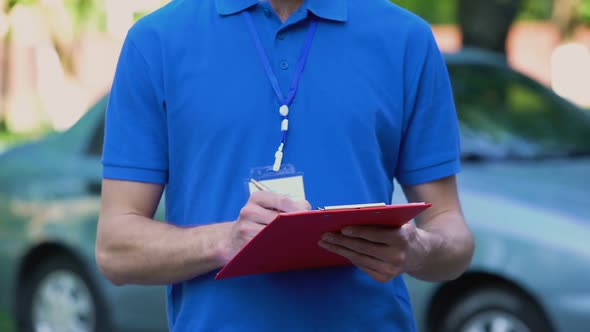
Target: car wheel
58,296
494,310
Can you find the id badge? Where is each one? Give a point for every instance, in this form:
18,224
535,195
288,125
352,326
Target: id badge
287,181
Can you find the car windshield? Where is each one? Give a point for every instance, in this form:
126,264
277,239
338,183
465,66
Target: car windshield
505,115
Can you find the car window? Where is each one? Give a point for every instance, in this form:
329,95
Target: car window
505,114
96,140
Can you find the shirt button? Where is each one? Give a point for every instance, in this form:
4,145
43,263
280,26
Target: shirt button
281,36
267,12
284,65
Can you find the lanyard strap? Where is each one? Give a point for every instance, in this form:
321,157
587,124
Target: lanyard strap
267,66
285,102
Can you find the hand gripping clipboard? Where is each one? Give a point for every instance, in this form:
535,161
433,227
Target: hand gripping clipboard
290,241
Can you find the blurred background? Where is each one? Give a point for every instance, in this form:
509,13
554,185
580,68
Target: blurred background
521,74
58,56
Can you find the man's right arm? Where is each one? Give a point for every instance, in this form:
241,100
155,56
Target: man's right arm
132,248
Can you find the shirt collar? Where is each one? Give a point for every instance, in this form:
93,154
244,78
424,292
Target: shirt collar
335,10
229,7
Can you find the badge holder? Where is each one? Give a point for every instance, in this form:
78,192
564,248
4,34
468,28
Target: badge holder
286,181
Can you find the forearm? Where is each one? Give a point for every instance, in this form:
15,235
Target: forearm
448,245
133,249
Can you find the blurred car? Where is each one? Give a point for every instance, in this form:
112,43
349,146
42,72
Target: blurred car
524,187
525,192
49,204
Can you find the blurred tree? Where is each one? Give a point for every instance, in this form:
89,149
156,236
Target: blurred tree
433,11
4,26
566,16
585,12
67,20
63,22
61,39
485,23
536,10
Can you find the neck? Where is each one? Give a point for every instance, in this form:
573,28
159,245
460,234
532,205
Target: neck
285,8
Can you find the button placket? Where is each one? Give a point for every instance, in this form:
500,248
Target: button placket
283,53
283,62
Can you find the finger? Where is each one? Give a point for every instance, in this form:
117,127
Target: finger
245,229
274,201
377,234
250,229
360,259
376,275
257,214
390,254
286,204
408,230
302,205
356,244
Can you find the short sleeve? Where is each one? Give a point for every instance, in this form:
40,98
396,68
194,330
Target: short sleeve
135,144
430,145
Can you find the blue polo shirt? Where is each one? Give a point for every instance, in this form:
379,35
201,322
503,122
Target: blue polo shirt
191,108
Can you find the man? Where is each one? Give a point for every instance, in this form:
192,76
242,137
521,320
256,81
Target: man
345,94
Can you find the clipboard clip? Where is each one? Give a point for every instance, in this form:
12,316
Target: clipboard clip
352,206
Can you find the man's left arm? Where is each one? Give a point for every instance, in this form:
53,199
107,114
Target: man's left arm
443,230
438,247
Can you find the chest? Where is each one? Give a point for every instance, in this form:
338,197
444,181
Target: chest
218,85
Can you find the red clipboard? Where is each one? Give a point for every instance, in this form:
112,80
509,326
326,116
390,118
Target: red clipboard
290,241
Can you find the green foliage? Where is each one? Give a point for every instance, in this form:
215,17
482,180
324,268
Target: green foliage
12,3
6,323
536,10
87,14
585,12
437,12
138,15
433,11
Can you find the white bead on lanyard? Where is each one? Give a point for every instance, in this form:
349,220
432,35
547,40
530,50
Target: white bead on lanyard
284,111
285,102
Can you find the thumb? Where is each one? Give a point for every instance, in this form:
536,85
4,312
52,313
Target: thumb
303,205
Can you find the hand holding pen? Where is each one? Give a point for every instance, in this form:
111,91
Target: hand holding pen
262,207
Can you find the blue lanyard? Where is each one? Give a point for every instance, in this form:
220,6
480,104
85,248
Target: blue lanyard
285,102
